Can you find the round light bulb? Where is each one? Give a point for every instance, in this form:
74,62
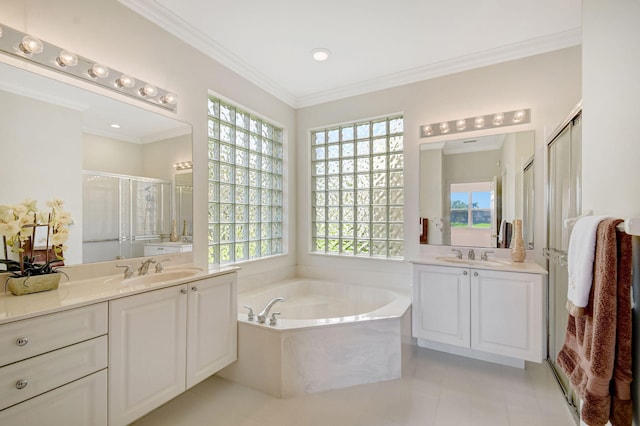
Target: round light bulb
498,119
99,71
0,31
67,59
444,127
518,116
478,122
427,130
125,81
30,45
149,90
169,99
461,124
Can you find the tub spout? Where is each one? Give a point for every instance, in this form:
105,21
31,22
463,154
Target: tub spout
262,316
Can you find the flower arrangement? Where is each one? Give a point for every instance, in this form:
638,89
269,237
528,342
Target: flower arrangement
19,227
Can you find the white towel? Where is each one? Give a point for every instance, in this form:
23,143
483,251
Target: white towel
501,235
582,245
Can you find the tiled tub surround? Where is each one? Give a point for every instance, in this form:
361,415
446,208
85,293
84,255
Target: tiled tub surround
329,336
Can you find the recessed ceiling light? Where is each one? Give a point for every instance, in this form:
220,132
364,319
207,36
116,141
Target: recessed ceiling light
320,54
114,125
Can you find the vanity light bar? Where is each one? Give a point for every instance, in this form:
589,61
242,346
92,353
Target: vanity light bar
480,122
25,46
185,165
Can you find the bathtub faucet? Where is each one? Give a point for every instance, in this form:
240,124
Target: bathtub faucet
262,316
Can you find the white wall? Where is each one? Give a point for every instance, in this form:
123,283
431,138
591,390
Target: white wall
108,32
610,142
550,84
102,154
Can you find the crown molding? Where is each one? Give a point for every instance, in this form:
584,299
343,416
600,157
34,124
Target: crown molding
158,14
464,63
167,20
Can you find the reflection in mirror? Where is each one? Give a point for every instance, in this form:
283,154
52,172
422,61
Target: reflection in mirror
472,189
111,163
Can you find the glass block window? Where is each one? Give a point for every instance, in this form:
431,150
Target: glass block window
245,185
357,195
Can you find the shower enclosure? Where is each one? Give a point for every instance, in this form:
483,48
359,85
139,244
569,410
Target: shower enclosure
121,213
564,201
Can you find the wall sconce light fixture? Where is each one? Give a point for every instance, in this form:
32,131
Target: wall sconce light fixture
25,46
488,121
185,165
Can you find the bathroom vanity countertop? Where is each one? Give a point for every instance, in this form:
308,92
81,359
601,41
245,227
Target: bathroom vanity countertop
78,293
494,264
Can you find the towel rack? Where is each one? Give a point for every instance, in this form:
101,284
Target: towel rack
555,255
631,226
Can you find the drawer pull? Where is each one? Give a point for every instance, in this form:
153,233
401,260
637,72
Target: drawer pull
475,274
464,272
194,288
22,341
21,384
183,291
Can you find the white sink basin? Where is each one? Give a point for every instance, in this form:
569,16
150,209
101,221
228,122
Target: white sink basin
158,277
470,262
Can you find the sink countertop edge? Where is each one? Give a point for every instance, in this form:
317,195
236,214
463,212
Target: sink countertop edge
80,293
522,267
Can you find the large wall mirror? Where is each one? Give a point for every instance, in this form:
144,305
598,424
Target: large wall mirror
472,189
111,163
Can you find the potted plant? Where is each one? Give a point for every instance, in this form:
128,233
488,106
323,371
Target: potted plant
37,240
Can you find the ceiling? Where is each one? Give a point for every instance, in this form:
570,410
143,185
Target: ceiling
374,44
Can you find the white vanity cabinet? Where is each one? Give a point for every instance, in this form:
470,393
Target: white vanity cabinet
54,368
480,313
165,341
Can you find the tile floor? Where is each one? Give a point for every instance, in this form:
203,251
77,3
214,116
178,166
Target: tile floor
436,389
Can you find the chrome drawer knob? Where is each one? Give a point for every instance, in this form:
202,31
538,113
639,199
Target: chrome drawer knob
22,341
183,291
464,273
21,384
194,288
475,274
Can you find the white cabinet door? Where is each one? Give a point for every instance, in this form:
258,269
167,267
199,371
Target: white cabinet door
441,300
212,322
147,344
79,403
507,314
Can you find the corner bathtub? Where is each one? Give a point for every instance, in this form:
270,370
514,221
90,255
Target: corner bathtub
329,335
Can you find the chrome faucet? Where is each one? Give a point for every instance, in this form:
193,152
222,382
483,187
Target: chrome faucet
262,316
471,255
458,253
484,255
128,271
144,268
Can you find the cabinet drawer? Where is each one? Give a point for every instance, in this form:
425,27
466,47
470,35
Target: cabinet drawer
34,376
80,403
34,336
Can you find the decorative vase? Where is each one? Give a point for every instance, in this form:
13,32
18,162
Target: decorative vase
518,253
33,283
173,237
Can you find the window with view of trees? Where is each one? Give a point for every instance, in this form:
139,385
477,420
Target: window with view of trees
358,189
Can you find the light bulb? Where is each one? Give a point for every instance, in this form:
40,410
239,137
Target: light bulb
518,116
98,71
148,90
169,98
320,54
67,59
461,124
125,81
30,45
478,122
498,119
0,31
427,130
444,127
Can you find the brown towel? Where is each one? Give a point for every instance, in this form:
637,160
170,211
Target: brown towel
596,354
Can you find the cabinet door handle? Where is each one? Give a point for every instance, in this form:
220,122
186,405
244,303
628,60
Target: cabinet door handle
183,291
194,288
21,384
22,341
475,274
464,272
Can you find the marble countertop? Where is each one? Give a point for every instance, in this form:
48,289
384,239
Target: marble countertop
494,264
82,292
